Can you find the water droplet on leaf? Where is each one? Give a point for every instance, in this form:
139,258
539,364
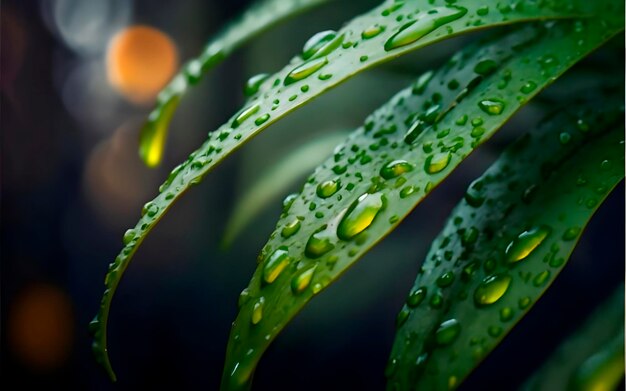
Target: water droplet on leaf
244,297
275,264
254,83
290,228
372,31
528,87
318,244
262,119
407,191
416,297
129,235
425,23
395,168
360,215
447,332
414,131
327,188
316,42
486,67
288,201
302,280
403,315
446,279
524,302
305,70
391,367
422,82
244,115
571,233
494,331
491,289
437,162
525,243
491,106
257,311
506,314
541,278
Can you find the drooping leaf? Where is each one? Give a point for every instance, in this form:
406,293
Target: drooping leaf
505,243
387,167
259,17
590,359
384,33
277,180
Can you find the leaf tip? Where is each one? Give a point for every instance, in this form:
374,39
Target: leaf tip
151,143
153,134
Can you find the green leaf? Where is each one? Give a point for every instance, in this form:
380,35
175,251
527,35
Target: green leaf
277,180
369,39
590,359
380,177
505,243
259,17
352,50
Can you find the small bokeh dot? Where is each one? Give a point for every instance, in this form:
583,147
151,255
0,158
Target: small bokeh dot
40,327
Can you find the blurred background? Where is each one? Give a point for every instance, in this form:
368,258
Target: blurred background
78,78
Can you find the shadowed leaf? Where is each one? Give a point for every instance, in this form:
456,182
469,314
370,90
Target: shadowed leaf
505,243
590,359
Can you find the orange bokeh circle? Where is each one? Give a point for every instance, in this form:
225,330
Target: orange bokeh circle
140,61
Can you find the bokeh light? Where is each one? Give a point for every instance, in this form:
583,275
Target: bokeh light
89,98
115,182
85,26
41,327
140,61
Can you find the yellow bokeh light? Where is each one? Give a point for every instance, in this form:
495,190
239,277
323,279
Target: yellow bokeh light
140,61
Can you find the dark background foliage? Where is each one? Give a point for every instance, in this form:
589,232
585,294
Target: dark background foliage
72,183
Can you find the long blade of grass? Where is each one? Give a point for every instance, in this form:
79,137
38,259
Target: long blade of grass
387,167
505,243
277,180
590,359
261,16
384,33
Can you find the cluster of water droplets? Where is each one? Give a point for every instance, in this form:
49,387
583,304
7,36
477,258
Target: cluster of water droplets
350,224
487,292
194,70
501,271
308,270
317,51
315,56
131,240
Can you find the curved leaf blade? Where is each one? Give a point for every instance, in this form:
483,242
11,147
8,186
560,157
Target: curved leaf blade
259,17
369,29
316,256
343,62
590,359
277,180
504,244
